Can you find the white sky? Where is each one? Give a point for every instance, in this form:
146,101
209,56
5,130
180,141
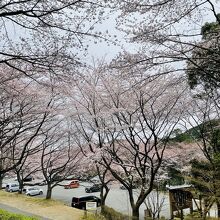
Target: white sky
108,51
102,49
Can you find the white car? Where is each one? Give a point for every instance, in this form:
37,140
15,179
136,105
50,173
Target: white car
12,187
32,191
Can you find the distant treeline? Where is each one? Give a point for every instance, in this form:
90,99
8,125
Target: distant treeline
196,132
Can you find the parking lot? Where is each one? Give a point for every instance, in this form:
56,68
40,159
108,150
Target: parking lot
117,198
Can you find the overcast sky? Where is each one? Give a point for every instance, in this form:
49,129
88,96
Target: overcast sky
108,50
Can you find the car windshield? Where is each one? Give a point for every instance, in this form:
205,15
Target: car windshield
31,189
74,199
75,181
89,198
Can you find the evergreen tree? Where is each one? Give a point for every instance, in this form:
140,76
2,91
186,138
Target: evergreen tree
204,65
206,175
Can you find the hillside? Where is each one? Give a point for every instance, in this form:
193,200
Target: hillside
194,133
185,146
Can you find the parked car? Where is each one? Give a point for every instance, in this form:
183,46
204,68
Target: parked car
3,185
94,188
43,183
57,178
72,184
28,178
32,191
12,187
124,188
80,202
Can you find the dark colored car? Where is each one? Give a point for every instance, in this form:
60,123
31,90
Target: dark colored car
80,202
28,179
43,183
94,188
124,188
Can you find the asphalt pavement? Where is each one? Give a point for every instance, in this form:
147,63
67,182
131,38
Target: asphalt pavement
18,211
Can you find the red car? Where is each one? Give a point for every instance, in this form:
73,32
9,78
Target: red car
72,184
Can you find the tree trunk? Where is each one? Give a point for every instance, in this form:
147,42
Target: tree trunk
1,180
205,210
21,183
21,186
103,195
135,213
218,209
49,192
200,206
204,217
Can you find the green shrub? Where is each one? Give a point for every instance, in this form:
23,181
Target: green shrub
4,215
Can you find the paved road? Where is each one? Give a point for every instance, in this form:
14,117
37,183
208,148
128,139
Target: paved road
18,211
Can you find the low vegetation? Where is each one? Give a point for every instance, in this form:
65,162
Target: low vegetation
4,215
111,214
93,217
107,214
51,209
198,218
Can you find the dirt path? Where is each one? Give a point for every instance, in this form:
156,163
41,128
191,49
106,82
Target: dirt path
53,210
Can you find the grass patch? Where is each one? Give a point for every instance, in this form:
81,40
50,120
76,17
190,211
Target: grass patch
196,218
51,209
106,214
43,202
111,214
34,200
90,216
195,215
5,215
6,194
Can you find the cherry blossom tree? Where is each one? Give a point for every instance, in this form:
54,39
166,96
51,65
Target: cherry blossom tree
23,113
92,159
29,166
154,204
171,34
40,38
143,123
59,157
87,118
125,120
